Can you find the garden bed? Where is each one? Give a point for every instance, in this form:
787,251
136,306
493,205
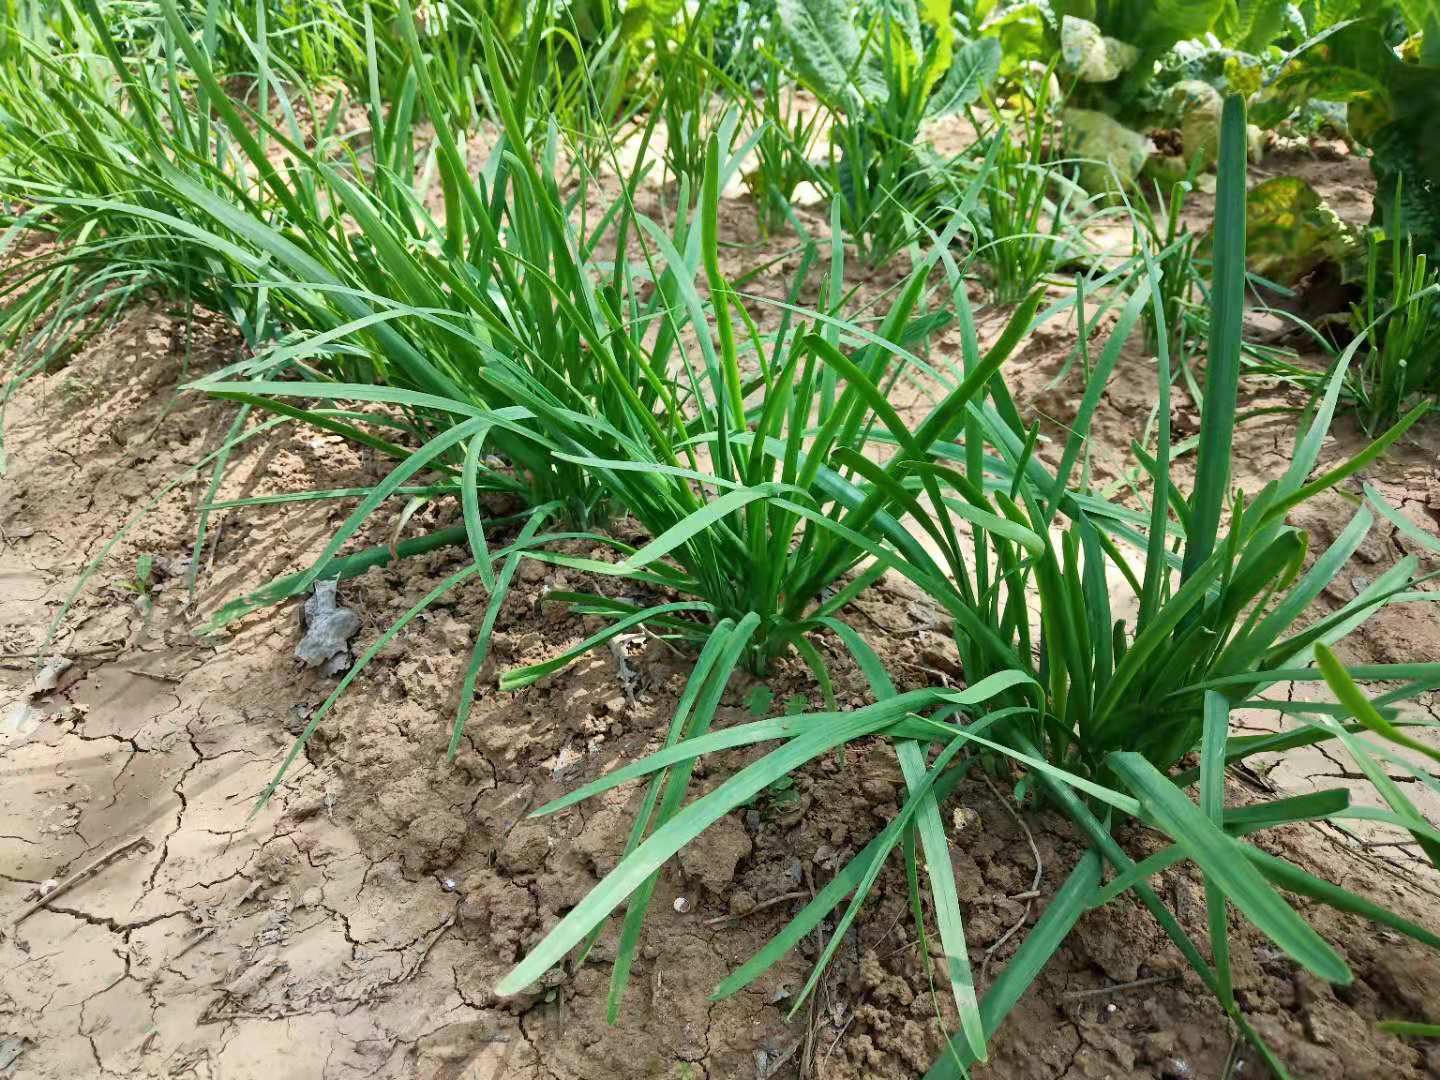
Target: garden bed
356,926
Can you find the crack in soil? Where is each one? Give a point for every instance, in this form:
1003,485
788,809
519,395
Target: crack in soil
113,925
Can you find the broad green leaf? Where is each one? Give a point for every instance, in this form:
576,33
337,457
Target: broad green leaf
824,43
1253,25
975,66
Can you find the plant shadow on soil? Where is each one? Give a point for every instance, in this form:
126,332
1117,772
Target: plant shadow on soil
356,925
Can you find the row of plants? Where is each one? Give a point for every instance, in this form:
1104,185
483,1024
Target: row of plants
878,77
591,364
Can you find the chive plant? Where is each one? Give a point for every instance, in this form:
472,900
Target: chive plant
1400,316
762,511
1174,249
789,135
493,331
489,310
1027,206
686,81
1103,714
90,147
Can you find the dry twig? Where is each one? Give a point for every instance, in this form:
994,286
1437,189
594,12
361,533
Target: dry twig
75,879
1101,991
736,916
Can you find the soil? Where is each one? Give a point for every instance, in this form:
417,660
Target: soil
356,924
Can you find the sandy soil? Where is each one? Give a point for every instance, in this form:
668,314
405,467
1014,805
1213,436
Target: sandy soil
356,925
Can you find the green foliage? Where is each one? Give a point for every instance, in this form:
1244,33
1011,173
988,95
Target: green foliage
1135,34
1123,706
1172,246
787,136
1253,25
141,582
1392,104
543,339
880,82
1409,1029
595,395
1107,714
825,46
1025,226
88,149
1122,60
1400,319
1374,761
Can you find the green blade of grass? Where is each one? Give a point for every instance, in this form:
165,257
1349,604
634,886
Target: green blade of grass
499,589
1222,371
1350,695
1290,877
1218,857
786,727
1020,973
675,834
931,831
516,678
1212,806
733,640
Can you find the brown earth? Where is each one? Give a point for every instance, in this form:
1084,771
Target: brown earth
355,926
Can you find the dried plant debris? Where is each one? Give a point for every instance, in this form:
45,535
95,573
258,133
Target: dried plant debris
328,630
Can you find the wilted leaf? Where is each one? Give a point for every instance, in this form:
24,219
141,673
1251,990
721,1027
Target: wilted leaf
1290,231
1112,154
1196,105
1090,55
1243,76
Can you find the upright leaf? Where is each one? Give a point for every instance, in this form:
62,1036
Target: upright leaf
823,42
1222,372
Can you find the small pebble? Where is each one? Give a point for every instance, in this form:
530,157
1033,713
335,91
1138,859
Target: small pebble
682,905
964,819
